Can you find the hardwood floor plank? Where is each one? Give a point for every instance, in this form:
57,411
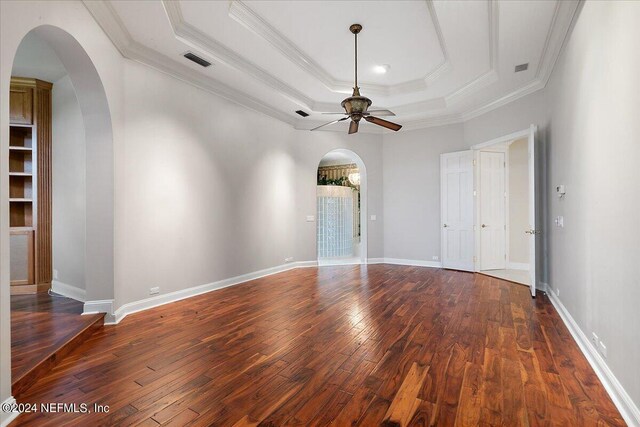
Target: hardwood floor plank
406,402
345,345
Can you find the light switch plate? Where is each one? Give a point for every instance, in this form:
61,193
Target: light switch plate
373,217
310,218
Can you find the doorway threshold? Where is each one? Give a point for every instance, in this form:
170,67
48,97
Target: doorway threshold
520,277
338,261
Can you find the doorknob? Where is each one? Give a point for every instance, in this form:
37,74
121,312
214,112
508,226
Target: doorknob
484,226
532,232
445,225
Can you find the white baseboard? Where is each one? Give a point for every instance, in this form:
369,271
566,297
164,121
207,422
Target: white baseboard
133,307
68,291
518,266
413,262
7,417
155,301
100,306
337,261
618,394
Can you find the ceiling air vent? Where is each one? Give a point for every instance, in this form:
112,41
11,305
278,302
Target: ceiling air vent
195,58
522,67
302,113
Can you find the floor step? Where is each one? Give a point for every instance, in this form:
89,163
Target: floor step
42,360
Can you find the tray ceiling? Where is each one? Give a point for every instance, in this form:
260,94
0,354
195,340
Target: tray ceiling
449,60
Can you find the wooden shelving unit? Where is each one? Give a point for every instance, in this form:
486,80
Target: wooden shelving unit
30,185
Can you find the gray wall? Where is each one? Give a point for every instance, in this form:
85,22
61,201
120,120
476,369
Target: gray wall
69,185
593,148
215,191
412,190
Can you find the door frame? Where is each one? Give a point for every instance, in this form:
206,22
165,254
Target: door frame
362,169
533,195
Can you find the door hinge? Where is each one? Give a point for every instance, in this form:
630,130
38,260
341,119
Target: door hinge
474,162
505,256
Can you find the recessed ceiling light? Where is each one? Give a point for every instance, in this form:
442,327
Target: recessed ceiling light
381,69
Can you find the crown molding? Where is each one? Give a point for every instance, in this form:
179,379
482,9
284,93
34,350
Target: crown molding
247,17
566,11
110,22
491,75
196,39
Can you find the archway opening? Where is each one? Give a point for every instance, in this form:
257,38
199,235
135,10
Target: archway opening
341,198
60,239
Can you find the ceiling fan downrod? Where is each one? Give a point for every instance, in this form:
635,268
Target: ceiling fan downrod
356,106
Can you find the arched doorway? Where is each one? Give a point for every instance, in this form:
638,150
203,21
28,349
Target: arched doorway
341,206
98,178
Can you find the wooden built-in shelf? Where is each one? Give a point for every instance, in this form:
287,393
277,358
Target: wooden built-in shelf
30,185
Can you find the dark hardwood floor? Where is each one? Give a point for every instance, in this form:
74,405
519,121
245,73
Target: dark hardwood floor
44,328
368,345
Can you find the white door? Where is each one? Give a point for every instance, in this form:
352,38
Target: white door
534,233
492,211
456,193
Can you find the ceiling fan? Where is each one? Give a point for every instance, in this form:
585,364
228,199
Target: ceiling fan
356,106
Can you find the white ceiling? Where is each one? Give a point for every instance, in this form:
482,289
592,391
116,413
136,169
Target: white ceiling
36,59
450,60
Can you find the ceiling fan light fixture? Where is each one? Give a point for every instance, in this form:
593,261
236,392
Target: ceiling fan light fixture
356,106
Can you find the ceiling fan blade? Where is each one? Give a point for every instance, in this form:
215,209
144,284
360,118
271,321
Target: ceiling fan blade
380,113
353,127
330,123
384,123
325,112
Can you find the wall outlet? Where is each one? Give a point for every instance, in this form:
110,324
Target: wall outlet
557,291
154,291
559,221
289,259
603,349
435,257
55,274
594,339
310,218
